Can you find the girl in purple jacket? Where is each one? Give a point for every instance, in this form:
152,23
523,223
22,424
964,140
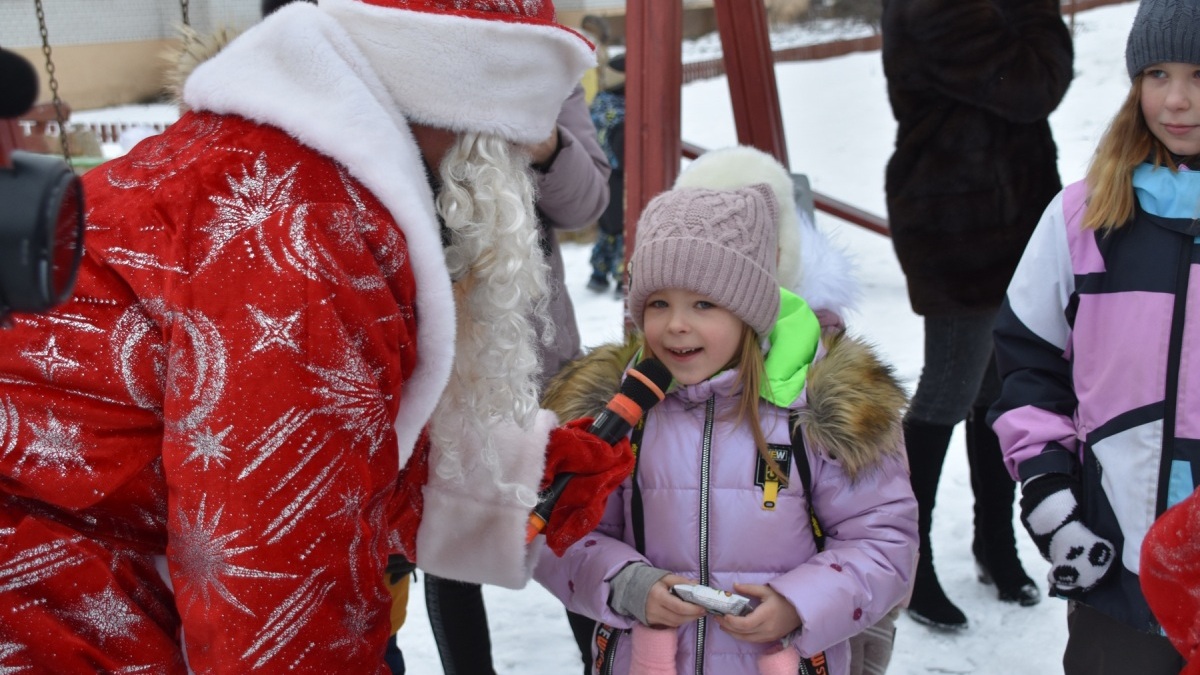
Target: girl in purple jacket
718,497
1096,344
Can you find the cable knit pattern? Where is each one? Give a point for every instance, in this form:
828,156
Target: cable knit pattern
718,243
1163,31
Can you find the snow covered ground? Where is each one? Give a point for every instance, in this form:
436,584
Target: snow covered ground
840,132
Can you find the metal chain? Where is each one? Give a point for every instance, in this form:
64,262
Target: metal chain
183,4
58,106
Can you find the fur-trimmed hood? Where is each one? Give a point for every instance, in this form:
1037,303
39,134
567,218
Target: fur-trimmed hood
187,52
852,407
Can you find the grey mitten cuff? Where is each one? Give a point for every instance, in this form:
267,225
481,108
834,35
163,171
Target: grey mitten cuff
631,587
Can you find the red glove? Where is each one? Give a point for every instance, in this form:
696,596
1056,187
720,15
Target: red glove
1170,575
598,467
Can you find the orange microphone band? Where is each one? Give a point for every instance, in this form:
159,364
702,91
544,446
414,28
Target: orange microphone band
645,379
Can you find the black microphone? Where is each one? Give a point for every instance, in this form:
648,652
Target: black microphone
644,386
18,85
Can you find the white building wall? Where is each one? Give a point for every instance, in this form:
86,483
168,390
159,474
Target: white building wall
76,22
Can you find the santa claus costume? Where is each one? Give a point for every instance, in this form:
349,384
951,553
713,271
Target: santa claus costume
199,451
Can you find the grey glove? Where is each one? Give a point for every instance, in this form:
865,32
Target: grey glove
631,587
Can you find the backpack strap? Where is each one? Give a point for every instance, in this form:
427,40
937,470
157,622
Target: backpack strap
635,501
805,471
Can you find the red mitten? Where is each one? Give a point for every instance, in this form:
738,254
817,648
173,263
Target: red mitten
598,469
1170,576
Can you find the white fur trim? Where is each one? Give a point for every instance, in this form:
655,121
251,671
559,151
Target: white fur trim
469,74
811,265
463,518
300,72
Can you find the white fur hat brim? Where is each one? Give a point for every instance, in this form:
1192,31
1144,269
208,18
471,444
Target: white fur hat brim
469,74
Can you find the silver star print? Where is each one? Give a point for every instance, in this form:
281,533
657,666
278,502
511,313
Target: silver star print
207,446
353,394
49,359
253,199
275,331
204,554
56,445
106,615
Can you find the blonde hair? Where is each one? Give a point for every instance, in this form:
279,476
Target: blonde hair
494,256
750,363
1126,143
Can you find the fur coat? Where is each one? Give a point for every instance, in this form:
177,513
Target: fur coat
971,83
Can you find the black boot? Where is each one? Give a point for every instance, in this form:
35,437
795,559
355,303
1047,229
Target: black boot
926,445
995,545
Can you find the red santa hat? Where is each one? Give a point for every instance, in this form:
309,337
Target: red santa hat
493,66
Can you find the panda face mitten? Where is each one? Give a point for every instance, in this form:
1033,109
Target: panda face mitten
1079,558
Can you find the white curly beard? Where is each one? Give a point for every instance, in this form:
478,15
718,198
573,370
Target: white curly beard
500,286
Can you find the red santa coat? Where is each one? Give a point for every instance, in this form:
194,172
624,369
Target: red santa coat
198,452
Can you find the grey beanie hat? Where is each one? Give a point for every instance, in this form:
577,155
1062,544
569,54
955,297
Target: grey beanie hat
1163,31
719,243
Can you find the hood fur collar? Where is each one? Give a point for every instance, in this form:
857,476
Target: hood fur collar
854,402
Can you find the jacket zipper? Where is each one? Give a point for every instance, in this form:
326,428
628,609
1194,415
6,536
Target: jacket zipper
1171,388
610,652
705,463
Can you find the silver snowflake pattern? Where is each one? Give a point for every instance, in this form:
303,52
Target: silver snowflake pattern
7,650
140,261
135,343
207,446
289,619
357,620
350,228
351,505
55,445
204,553
10,422
165,156
34,565
253,199
62,318
275,331
354,396
303,500
197,376
264,447
105,615
50,359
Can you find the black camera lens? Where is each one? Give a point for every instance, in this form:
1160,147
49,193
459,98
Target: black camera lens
41,232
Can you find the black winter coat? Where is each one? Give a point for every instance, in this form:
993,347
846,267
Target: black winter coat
971,83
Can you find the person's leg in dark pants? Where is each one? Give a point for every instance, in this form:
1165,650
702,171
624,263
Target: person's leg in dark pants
926,446
1100,645
957,353
460,628
995,542
582,628
393,657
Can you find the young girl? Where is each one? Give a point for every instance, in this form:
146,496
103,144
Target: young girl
717,497
1099,416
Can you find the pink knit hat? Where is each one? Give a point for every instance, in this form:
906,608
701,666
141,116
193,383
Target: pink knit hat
718,243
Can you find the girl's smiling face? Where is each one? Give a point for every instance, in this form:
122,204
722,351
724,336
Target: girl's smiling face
690,334
1171,105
